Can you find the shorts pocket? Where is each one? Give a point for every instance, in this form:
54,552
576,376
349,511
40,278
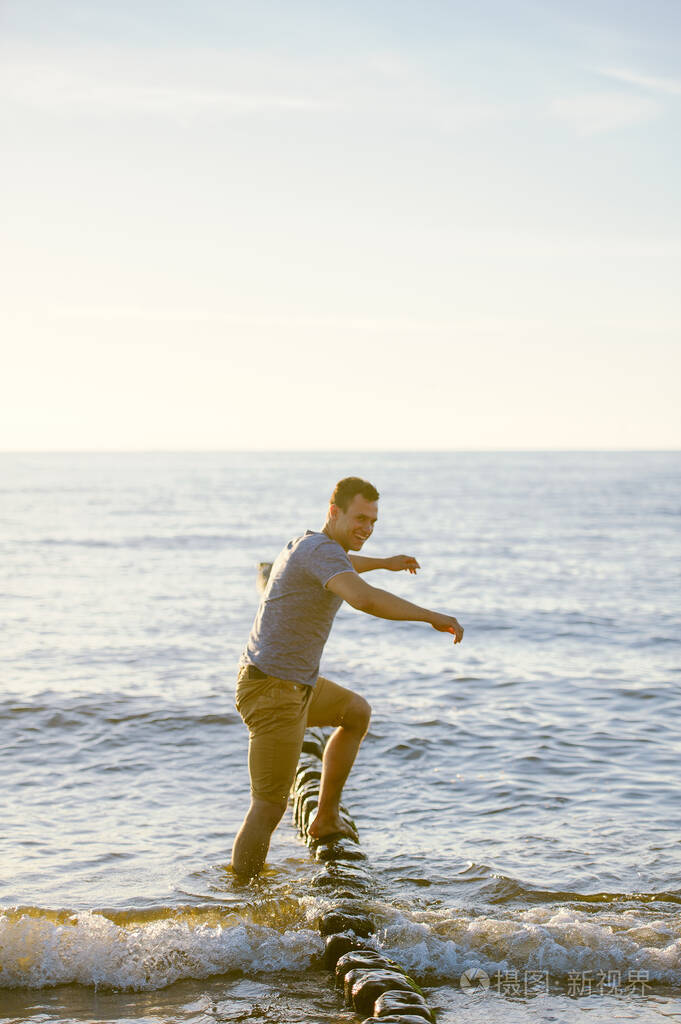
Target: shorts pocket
270,701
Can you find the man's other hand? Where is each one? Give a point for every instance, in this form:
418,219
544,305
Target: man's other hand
399,562
448,624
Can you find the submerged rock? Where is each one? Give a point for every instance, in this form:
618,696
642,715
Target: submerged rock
402,1018
342,849
368,959
353,975
314,742
344,876
338,920
400,1003
372,984
304,777
338,945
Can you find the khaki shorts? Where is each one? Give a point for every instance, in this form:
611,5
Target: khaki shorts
277,713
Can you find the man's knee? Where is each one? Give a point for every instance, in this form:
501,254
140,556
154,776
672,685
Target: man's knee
357,715
265,815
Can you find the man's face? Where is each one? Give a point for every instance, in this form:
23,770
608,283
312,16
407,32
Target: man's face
355,525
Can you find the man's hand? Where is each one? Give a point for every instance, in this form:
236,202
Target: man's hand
447,624
399,562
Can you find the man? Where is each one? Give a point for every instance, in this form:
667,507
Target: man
279,691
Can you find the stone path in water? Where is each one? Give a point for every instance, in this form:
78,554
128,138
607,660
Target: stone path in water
374,985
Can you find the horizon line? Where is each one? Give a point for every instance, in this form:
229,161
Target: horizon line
322,451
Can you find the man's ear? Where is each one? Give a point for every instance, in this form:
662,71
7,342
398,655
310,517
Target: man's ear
333,510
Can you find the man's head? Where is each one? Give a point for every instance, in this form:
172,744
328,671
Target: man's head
353,511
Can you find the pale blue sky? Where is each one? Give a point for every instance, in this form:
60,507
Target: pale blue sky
358,225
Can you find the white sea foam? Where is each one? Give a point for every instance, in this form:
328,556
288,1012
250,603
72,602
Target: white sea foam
41,949
90,949
441,944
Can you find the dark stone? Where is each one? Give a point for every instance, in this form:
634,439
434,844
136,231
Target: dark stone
372,984
349,980
368,959
317,732
352,905
343,849
338,920
394,1002
306,809
308,792
308,761
350,873
402,1018
311,787
305,776
312,745
338,945
307,803
345,875
344,894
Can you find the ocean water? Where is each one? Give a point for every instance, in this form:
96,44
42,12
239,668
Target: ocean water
517,795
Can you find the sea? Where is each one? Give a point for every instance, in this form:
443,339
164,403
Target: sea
517,795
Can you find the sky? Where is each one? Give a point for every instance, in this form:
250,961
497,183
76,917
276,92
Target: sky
371,225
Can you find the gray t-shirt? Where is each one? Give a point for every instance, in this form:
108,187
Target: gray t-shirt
297,611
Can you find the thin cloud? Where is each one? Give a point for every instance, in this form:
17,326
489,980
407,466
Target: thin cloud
350,324
599,112
113,81
233,84
669,86
47,90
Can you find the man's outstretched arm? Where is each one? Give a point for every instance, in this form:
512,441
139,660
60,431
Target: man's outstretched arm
381,603
361,563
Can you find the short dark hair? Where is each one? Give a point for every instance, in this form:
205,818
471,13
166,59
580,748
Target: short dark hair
346,489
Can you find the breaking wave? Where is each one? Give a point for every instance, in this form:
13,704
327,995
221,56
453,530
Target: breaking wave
141,952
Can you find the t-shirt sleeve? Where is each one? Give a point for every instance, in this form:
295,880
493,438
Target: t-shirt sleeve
328,560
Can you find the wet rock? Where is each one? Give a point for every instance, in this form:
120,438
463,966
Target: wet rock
307,808
367,959
343,849
314,742
342,920
317,732
344,894
306,761
367,988
338,945
304,777
352,905
311,787
308,792
313,747
345,876
402,1018
397,1003
349,980
351,872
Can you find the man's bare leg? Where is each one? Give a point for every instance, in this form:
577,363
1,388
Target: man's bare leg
253,839
339,757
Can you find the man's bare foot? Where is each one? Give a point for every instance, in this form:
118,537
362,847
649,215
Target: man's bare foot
330,825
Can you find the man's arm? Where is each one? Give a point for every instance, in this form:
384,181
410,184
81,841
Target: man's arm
361,563
384,605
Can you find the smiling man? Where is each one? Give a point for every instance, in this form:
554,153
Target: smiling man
279,690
